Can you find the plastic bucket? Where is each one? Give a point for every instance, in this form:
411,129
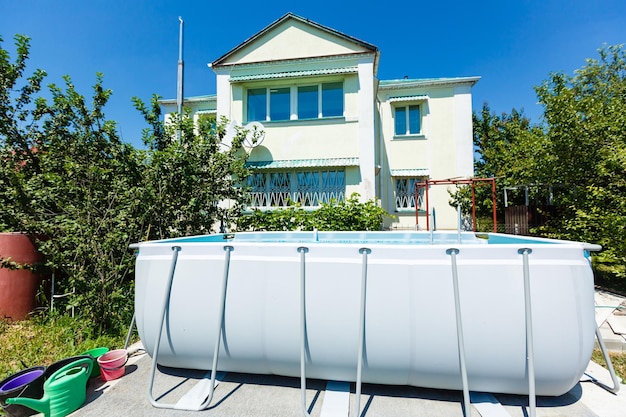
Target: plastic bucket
95,354
26,383
113,364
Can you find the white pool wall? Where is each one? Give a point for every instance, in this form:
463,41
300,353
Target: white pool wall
410,327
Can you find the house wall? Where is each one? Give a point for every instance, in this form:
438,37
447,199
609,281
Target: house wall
352,135
335,137
444,150
279,44
294,52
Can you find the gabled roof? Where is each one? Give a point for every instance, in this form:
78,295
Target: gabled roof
290,16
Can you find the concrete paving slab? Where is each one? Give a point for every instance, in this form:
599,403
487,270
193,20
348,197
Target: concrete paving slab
618,324
598,399
606,303
613,342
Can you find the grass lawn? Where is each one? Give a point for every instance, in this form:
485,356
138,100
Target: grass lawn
617,359
42,341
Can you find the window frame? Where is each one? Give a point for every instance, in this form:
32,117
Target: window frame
411,203
337,110
407,106
320,185
262,110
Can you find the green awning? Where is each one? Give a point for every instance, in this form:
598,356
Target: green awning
304,163
410,172
407,98
292,74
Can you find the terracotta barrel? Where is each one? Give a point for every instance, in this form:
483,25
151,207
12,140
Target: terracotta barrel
18,287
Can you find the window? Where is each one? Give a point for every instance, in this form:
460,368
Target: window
312,101
257,185
332,99
279,104
308,188
308,102
405,193
257,105
408,120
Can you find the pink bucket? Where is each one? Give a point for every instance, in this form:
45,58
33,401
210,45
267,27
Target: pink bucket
113,364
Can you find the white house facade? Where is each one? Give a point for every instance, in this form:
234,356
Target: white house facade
332,128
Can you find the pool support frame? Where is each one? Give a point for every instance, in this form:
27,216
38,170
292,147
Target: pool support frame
302,250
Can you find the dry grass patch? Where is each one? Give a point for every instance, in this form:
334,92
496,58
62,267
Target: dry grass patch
618,359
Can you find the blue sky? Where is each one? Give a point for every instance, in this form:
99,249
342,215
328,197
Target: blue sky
512,45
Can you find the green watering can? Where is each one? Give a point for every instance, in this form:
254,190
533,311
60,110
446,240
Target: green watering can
64,392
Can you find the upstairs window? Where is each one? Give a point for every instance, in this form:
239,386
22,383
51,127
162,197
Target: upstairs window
408,120
308,102
279,103
332,99
257,105
311,102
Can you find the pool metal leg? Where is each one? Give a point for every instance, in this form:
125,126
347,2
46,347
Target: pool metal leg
459,332
530,358
130,331
303,341
195,404
359,369
303,251
609,364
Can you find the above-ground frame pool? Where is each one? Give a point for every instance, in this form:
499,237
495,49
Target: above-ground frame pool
494,313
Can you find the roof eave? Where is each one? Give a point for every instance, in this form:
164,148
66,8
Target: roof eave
401,84
194,99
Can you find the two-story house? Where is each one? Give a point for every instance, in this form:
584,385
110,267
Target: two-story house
333,128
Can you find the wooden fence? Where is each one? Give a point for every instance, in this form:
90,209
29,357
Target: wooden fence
519,220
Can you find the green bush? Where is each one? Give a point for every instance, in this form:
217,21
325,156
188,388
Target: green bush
348,215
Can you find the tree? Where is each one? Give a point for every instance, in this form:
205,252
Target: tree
72,183
586,132
67,179
580,146
195,183
19,130
507,147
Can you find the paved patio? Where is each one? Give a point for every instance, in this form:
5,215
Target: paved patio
263,395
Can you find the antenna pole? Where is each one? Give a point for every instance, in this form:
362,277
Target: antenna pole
179,95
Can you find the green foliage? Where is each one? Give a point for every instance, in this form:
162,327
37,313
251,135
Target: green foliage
18,128
348,215
75,188
503,145
577,157
586,131
68,180
185,180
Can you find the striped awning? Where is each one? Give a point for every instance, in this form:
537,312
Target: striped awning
407,98
410,172
304,163
293,74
